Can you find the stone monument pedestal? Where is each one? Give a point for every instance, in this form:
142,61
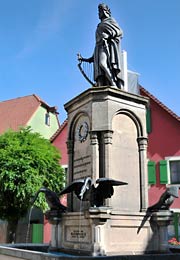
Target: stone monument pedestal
107,138
103,231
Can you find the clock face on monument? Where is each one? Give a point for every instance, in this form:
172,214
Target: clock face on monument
82,131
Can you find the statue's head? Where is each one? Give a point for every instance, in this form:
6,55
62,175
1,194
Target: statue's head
104,9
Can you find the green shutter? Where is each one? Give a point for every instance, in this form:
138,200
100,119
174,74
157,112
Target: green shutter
163,172
37,233
151,172
148,120
176,225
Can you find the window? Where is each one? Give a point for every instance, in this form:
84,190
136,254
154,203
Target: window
47,119
173,169
65,167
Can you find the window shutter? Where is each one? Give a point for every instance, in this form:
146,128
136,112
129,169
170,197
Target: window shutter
176,225
148,120
151,172
163,172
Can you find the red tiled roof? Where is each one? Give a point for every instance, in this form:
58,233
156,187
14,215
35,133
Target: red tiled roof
146,93
59,130
17,112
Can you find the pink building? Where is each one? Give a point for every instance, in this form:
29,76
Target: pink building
163,148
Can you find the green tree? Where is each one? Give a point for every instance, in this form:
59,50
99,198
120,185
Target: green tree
27,162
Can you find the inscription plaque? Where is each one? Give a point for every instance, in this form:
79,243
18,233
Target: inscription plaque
78,234
75,234
82,166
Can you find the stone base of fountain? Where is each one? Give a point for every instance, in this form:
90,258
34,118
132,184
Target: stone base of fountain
103,231
100,232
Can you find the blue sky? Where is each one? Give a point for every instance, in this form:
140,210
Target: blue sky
40,40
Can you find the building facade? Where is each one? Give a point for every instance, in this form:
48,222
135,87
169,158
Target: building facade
163,148
34,112
29,111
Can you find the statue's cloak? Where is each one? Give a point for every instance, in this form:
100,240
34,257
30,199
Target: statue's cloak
108,35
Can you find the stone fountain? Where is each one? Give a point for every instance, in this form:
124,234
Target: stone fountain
107,138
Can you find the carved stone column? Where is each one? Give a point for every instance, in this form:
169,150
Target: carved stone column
69,144
142,144
95,154
160,221
107,140
54,218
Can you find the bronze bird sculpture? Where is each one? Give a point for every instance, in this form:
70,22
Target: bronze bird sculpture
86,190
51,198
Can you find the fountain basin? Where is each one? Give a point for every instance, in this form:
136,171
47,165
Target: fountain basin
29,251
40,252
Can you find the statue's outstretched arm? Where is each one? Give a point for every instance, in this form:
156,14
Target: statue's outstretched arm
80,58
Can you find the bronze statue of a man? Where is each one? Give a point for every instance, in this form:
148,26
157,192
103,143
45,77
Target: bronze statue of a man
106,57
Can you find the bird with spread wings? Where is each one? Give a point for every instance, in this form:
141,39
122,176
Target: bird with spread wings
86,190
52,199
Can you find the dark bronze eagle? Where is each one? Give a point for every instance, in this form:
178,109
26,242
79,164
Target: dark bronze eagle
86,190
52,199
